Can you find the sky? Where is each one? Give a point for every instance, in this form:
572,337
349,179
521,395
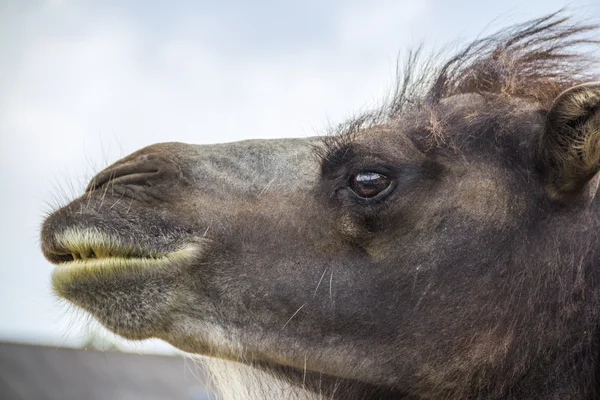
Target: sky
84,83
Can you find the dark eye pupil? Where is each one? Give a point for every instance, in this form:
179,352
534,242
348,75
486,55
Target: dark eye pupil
369,184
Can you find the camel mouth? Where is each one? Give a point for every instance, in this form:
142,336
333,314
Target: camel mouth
118,264
79,254
92,246
83,253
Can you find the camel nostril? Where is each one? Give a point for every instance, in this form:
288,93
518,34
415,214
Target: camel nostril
131,173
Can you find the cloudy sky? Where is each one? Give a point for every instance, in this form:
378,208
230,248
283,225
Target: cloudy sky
83,83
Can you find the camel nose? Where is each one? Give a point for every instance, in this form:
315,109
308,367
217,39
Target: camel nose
141,169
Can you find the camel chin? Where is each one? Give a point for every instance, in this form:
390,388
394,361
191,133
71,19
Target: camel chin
91,266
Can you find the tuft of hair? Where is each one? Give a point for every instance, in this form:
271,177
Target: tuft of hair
536,60
236,381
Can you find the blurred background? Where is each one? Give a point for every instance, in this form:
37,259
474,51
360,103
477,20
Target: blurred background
84,83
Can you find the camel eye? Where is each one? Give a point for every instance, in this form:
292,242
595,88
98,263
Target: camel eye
369,184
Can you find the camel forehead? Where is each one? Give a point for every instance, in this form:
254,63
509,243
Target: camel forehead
458,120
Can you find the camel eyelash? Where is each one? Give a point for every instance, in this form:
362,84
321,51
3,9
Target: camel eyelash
335,158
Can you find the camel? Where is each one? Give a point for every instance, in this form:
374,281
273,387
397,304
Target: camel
444,246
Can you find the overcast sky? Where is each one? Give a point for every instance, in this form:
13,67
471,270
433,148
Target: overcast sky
84,83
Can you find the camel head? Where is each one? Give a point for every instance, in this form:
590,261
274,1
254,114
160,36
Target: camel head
444,246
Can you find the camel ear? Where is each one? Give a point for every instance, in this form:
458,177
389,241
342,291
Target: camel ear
571,142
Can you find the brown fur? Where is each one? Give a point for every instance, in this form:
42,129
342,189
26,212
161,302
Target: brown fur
473,275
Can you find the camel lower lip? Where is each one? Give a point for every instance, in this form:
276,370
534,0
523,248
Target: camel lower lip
111,262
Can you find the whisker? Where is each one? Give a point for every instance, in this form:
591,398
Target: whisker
293,315
320,280
104,193
129,207
304,374
331,286
267,186
115,203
